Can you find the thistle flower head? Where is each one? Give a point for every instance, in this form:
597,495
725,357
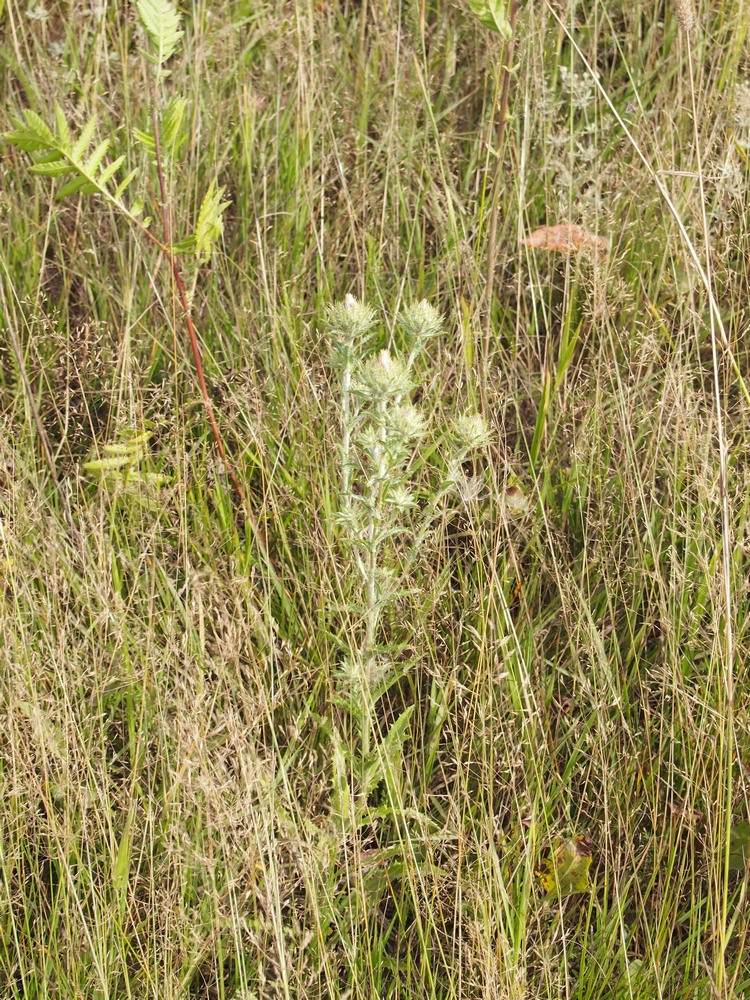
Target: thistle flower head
406,422
399,499
419,322
350,323
356,674
382,377
470,432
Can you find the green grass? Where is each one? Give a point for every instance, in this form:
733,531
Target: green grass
168,755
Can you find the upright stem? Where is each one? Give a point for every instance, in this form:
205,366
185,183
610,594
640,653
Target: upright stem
346,429
374,519
194,344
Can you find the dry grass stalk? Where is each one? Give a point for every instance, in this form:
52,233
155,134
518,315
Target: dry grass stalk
685,15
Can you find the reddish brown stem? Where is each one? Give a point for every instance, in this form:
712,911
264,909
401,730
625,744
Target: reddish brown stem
193,335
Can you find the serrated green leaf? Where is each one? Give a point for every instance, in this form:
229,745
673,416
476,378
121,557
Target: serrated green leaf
61,123
38,127
51,156
94,161
51,168
22,138
492,15
184,246
210,223
387,756
161,22
172,121
109,172
394,741
145,139
124,184
83,141
78,185
72,187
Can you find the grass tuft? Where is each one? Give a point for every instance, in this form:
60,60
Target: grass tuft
461,709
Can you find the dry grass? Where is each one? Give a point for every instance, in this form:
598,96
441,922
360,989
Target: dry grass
167,752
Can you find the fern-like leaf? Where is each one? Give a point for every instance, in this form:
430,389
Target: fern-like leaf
30,134
171,130
82,143
172,133
57,154
109,171
161,22
124,184
210,222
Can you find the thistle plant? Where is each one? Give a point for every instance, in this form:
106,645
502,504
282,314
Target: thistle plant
381,526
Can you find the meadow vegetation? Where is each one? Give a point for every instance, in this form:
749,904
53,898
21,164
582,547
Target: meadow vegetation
453,700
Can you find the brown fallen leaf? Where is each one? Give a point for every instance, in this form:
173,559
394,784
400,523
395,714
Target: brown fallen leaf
566,238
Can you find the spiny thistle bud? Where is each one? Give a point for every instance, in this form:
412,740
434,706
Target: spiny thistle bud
382,377
350,323
419,323
399,499
470,432
406,422
350,317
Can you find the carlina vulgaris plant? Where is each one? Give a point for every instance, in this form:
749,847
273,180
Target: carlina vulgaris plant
57,153
381,526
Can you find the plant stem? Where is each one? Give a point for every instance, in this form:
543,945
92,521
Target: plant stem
346,429
195,346
375,517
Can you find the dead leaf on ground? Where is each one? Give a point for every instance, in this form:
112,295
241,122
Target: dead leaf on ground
566,238
565,872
